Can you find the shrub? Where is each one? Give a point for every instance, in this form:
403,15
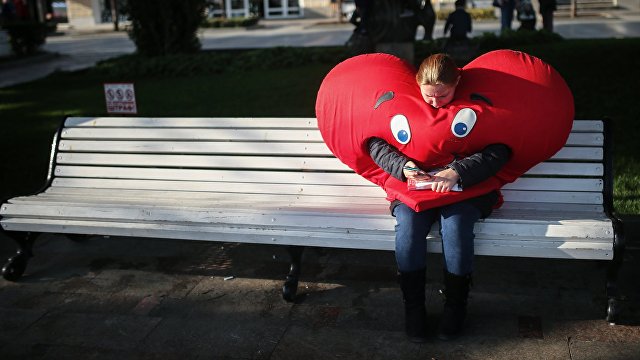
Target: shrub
487,42
510,39
476,14
26,36
219,61
161,27
228,23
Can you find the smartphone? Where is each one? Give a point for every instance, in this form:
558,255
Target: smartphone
411,168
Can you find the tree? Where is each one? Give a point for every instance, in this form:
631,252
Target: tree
161,27
24,21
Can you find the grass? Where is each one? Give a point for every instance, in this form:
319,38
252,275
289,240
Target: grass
605,80
31,113
601,73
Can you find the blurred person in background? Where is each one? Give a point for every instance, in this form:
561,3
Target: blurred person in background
547,7
506,13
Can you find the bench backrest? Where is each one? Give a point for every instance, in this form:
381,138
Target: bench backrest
284,157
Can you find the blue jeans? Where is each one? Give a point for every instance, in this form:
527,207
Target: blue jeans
506,15
456,228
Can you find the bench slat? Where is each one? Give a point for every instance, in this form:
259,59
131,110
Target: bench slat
195,134
587,126
359,206
276,177
569,197
579,153
186,198
546,248
585,139
269,122
282,163
244,220
344,191
567,169
254,148
241,218
252,202
202,147
195,122
205,161
232,176
234,187
543,226
555,184
590,210
233,134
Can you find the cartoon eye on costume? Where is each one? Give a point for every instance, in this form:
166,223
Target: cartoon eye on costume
463,122
400,129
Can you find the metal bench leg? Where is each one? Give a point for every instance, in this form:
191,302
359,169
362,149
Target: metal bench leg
17,264
290,287
613,293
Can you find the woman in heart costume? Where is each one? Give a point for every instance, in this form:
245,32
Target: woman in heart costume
370,109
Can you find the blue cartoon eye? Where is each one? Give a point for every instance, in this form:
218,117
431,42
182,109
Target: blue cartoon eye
400,129
463,122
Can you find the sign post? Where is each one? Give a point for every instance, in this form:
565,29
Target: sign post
120,98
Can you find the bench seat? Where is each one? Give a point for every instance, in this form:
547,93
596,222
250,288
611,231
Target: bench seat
548,231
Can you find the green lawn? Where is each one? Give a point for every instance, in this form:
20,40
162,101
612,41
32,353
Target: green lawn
30,113
601,73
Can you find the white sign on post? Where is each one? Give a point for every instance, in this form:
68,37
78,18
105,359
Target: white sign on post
121,98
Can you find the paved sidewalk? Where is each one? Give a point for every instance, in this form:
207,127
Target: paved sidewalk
123,298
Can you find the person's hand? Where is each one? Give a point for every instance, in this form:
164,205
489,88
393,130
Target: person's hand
445,180
410,170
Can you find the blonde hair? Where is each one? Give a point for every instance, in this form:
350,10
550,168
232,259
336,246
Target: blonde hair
438,69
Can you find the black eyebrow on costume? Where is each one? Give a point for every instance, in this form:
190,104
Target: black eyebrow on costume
476,96
384,97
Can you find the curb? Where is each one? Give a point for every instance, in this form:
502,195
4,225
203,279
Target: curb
13,61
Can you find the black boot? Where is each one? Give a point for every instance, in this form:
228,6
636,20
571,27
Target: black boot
456,292
412,284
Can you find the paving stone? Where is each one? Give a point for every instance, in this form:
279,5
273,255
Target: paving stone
593,330
213,296
496,325
302,342
240,335
25,297
236,318
144,282
28,299
483,348
66,352
354,305
98,303
591,350
503,303
116,332
338,294
372,318
15,321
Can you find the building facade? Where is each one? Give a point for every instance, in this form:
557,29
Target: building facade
87,13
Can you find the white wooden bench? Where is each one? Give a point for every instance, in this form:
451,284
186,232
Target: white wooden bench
273,181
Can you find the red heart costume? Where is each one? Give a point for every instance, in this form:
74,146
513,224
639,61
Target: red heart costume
504,96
